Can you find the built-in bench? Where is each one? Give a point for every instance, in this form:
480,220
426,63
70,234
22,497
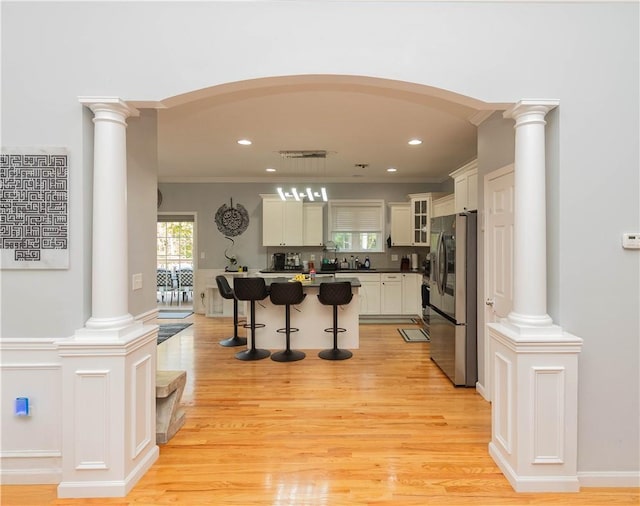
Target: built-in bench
169,415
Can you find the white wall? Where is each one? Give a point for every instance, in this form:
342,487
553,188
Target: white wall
585,55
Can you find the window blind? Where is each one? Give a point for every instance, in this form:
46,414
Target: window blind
353,216
180,218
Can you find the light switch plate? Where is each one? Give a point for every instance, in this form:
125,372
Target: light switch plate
631,241
136,281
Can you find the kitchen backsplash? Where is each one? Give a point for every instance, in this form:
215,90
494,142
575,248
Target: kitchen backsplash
387,260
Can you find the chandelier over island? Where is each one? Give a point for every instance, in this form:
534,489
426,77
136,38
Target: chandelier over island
308,194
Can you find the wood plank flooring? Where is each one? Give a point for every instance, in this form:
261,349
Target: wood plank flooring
383,428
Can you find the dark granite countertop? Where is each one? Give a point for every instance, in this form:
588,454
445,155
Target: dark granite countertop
316,282
382,270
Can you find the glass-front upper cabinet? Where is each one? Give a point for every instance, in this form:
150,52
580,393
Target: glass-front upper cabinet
421,219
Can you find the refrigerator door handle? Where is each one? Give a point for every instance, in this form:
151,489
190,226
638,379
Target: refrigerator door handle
442,262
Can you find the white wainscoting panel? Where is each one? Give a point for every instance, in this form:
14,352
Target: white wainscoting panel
91,430
548,385
31,450
503,407
143,389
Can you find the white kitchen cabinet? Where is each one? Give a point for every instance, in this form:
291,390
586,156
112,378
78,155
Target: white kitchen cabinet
466,187
411,293
391,294
421,213
312,229
281,222
444,206
400,223
369,291
388,293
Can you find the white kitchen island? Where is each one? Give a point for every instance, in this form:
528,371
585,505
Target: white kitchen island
311,317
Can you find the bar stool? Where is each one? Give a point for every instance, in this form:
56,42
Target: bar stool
287,294
227,293
251,289
335,294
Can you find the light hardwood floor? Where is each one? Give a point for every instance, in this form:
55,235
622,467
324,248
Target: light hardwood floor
385,427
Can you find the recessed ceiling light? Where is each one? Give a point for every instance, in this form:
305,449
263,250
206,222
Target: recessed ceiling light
270,169
415,142
244,142
392,169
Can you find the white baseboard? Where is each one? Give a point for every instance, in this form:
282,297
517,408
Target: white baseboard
480,389
533,483
32,476
109,488
147,317
621,479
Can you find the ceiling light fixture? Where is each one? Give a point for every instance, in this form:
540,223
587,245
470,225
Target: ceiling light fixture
392,169
270,169
415,142
308,194
244,142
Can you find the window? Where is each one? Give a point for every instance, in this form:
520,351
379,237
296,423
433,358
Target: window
357,225
174,243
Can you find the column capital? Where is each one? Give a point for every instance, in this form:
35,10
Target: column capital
106,107
530,110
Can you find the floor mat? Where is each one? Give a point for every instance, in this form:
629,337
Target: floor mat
173,315
168,330
414,335
394,320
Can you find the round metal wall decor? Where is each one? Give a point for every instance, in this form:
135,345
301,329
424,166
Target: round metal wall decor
231,220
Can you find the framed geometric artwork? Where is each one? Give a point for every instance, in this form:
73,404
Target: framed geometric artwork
34,208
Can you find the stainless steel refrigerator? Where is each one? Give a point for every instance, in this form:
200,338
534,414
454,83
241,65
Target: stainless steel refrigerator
452,297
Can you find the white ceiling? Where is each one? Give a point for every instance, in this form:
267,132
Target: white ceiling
356,120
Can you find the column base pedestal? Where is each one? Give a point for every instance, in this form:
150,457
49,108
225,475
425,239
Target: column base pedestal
534,407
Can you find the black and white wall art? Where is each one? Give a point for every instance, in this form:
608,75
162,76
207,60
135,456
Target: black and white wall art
34,208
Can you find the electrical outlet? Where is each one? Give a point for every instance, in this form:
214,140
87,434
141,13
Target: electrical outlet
22,407
394,258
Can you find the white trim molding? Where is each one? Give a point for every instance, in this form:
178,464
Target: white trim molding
619,479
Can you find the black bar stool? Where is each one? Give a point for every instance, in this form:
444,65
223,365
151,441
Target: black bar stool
287,294
335,294
251,289
227,293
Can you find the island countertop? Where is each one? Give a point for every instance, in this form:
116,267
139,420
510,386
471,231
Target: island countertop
355,272
355,282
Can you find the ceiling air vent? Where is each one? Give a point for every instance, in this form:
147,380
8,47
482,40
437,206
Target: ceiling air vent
316,153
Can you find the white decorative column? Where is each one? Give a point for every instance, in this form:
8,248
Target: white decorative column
109,366
110,267
530,231
534,363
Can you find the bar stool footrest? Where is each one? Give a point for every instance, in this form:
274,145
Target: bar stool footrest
255,325
283,330
339,329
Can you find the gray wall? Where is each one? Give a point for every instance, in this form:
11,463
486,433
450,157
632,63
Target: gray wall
142,181
496,149
584,54
204,199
